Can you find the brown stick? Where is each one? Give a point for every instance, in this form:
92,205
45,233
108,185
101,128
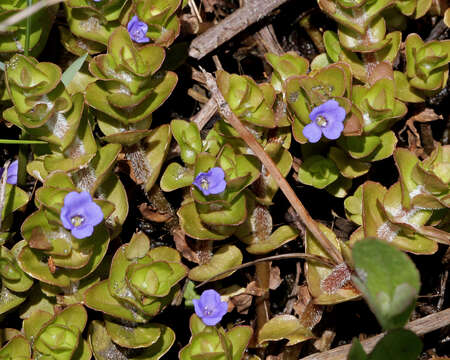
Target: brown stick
272,168
420,326
269,40
251,12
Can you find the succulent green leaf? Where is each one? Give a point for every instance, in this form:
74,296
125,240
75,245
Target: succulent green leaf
18,348
395,344
388,280
284,327
225,258
176,177
318,171
280,236
133,337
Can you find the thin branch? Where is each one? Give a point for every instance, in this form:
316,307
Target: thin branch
18,17
420,326
250,13
205,114
437,31
317,258
272,168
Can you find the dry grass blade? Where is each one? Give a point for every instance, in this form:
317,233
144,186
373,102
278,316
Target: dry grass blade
18,17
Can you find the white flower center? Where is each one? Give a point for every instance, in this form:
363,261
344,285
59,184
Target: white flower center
204,183
207,311
77,220
321,121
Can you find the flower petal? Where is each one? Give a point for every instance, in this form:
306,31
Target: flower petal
198,307
75,200
216,174
333,130
65,218
218,188
210,299
12,173
337,114
93,213
312,132
142,40
211,320
83,231
132,22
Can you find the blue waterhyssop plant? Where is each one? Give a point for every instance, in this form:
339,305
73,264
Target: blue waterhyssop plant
327,120
80,214
211,182
210,308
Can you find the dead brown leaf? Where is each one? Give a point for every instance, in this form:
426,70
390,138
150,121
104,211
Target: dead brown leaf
275,279
242,302
51,265
179,237
152,214
253,289
424,116
324,342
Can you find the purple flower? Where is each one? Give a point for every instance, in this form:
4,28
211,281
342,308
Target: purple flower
211,182
80,214
210,308
137,30
326,119
11,176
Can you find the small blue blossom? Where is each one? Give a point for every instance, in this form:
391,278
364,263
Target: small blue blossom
327,119
80,214
210,308
211,182
11,176
137,30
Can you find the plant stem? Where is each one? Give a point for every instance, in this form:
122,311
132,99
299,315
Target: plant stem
21,142
317,258
23,150
28,30
248,137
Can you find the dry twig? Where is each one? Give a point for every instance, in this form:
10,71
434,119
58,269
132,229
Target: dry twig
253,11
420,326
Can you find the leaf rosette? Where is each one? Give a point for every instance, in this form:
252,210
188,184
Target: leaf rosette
58,336
141,283
42,106
129,87
49,252
92,22
426,69
161,18
212,342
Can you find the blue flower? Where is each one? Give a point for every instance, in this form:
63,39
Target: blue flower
80,214
327,119
137,30
211,182
210,308
11,176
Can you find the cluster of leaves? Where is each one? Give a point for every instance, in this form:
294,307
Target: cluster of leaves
51,272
